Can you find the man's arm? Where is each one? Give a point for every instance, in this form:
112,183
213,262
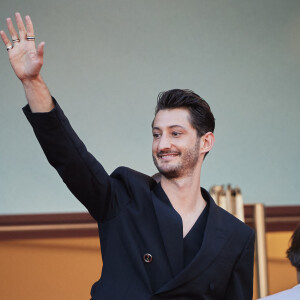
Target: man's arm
81,172
241,281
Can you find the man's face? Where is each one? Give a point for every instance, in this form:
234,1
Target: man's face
175,146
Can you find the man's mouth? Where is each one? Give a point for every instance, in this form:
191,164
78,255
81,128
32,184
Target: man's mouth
167,155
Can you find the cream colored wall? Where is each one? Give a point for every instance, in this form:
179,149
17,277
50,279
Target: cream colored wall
66,268
106,61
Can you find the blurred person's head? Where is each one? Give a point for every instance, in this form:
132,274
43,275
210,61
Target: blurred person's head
293,253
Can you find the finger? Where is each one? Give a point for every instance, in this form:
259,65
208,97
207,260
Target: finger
5,39
11,29
29,26
40,51
20,24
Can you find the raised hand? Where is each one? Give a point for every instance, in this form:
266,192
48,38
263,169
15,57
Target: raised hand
26,60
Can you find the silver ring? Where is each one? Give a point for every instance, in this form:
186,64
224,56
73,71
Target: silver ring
16,40
9,47
30,38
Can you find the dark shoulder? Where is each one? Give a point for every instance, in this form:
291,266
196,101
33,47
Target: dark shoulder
225,218
236,223
133,179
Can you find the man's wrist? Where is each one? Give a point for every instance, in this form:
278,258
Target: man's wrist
38,95
31,82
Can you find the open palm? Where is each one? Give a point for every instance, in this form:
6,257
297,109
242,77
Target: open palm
25,58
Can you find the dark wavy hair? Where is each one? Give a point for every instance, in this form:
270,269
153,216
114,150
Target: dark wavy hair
201,117
293,253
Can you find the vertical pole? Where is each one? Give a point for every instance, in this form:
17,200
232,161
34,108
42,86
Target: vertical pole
261,250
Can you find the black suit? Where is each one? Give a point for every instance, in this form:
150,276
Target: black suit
134,221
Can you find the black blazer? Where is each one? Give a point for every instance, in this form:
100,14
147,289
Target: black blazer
134,221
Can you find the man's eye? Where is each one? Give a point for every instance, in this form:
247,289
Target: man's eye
156,135
175,133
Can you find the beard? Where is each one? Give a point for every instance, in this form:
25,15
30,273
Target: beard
186,165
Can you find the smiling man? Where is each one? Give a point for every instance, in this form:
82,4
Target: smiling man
175,146
182,135
159,240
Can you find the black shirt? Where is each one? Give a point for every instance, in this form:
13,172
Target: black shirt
192,242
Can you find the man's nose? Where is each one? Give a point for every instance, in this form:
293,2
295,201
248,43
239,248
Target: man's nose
164,143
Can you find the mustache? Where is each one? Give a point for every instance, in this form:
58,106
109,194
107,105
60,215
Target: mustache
161,153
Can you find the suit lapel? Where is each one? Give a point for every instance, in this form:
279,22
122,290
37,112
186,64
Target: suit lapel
215,236
170,225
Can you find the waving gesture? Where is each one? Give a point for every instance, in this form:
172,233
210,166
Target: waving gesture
27,60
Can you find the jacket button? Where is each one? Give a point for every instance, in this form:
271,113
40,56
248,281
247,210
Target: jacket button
147,258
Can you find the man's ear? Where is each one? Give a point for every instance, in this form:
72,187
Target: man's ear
207,142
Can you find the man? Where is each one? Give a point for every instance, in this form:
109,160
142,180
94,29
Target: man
165,240
293,254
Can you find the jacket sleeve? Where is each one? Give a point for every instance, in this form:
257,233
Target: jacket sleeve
241,281
80,171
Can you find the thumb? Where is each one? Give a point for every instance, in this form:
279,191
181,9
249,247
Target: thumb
40,50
